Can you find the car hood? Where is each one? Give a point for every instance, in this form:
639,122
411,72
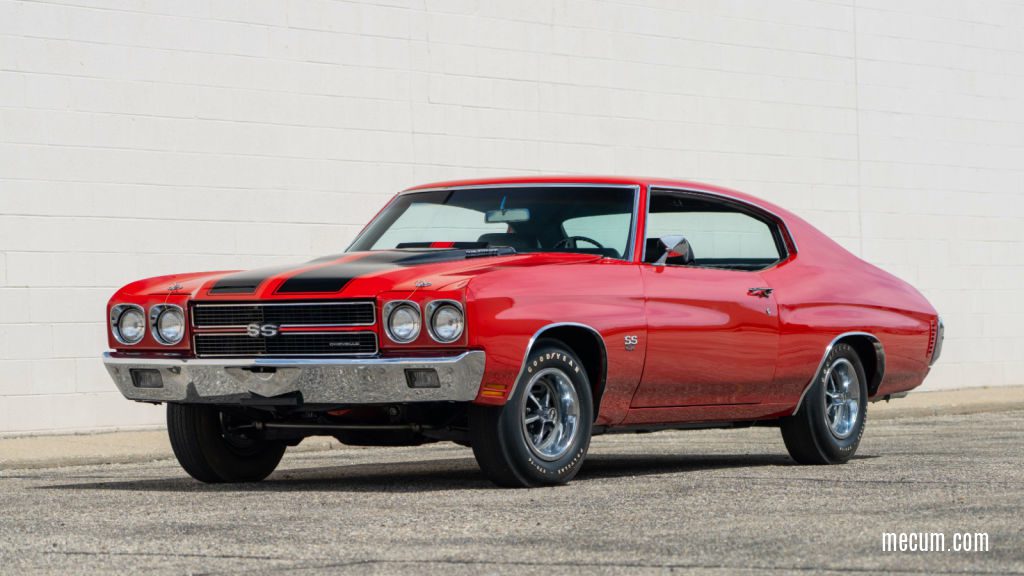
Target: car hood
350,275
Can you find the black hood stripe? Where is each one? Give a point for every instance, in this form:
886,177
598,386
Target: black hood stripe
248,281
334,277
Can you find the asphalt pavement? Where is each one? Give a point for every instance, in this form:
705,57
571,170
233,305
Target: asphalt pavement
717,501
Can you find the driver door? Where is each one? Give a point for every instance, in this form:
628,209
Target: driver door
712,322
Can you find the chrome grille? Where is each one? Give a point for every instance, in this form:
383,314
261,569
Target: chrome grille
286,344
283,314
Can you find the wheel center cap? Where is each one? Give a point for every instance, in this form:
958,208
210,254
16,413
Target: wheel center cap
550,414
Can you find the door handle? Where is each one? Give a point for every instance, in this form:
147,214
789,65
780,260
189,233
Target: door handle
760,292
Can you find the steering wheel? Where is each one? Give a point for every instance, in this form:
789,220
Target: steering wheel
570,242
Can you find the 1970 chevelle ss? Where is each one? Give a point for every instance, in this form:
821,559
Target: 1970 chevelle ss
520,317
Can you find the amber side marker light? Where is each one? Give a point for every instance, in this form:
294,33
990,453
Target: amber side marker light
493,390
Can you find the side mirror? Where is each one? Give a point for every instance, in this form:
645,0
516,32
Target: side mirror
677,248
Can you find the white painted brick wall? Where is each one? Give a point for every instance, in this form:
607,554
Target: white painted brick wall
144,138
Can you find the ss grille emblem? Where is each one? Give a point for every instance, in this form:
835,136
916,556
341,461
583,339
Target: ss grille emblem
266,330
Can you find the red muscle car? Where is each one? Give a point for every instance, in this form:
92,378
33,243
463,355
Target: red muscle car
521,316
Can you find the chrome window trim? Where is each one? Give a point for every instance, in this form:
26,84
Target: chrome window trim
428,319
116,312
376,346
783,227
386,312
265,303
879,350
155,312
633,226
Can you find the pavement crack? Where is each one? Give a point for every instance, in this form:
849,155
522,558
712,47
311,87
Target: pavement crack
625,565
165,555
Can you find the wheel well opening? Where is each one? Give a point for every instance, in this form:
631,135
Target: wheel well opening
871,355
589,348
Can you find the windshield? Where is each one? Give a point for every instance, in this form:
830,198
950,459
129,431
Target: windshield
589,220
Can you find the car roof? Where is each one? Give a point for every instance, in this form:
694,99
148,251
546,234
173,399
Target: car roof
592,179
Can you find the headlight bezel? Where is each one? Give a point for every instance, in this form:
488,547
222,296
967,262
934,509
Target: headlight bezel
117,313
156,313
390,308
436,306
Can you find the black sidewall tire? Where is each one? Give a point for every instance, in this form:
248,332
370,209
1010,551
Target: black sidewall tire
199,445
840,450
514,464
807,434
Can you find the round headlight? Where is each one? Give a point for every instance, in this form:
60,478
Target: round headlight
130,324
447,323
168,324
403,323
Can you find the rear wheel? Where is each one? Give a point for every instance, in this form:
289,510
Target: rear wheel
541,435
210,452
829,424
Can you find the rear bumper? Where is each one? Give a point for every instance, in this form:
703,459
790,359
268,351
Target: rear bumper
319,381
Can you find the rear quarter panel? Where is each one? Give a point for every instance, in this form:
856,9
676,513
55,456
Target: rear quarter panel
825,291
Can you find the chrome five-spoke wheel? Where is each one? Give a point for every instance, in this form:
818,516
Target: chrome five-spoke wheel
540,436
842,398
550,414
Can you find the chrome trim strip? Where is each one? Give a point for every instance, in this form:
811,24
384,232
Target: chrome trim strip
117,358
940,335
376,344
319,381
879,350
116,312
533,340
580,184
241,329
154,322
782,222
386,310
206,303
633,227
428,318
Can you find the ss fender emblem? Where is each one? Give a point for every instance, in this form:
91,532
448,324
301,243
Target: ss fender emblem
631,342
265,330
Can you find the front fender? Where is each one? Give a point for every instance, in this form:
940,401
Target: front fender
509,310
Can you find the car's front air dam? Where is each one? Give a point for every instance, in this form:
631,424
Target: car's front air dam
320,381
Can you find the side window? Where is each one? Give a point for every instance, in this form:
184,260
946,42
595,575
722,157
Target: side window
720,234
611,230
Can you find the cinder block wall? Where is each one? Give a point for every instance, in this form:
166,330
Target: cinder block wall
144,138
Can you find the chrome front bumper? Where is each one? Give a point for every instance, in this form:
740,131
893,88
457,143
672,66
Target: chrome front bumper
319,381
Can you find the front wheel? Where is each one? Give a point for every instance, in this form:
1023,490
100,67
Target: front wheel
829,424
211,452
541,435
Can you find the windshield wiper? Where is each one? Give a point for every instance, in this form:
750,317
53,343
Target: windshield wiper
496,251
